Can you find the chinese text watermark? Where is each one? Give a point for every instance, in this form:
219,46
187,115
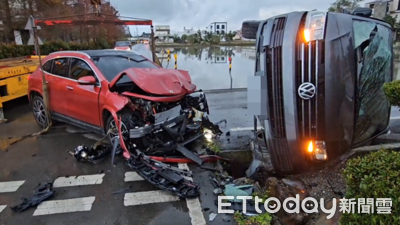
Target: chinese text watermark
309,205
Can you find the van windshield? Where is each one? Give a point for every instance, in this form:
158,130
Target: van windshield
373,47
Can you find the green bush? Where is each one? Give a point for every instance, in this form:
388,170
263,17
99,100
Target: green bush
11,50
392,92
376,175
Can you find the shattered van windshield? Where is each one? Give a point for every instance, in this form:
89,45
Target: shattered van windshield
372,44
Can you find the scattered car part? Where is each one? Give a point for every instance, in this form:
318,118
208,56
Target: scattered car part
242,190
123,190
204,158
84,154
212,216
164,177
44,191
189,154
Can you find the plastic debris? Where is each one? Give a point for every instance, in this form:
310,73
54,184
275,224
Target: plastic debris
243,190
218,191
43,192
212,217
84,154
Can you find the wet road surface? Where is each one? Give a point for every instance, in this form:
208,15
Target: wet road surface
84,192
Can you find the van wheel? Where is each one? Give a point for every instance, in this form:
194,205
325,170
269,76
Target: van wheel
39,112
250,28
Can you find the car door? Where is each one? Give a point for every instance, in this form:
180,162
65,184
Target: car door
56,80
83,100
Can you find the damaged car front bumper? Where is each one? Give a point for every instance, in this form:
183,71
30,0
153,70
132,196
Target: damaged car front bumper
175,128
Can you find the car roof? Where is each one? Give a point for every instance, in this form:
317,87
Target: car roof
110,52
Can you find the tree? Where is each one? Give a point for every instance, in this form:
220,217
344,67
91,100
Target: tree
15,13
392,20
339,5
184,38
229,36
177,39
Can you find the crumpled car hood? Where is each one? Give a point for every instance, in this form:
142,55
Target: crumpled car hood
159,81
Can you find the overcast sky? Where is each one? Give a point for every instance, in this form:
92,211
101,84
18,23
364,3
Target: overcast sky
200,13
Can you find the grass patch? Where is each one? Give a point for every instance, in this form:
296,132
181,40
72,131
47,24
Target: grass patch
260,219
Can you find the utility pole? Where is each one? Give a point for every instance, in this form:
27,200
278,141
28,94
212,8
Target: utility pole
45,89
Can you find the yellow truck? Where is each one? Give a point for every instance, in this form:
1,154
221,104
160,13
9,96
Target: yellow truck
14,74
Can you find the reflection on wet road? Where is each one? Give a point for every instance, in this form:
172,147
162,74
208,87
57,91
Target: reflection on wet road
209,67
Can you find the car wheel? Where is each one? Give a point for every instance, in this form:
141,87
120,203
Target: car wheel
128,120
249,29
39,112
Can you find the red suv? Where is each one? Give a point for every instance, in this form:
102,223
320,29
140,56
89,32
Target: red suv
92,88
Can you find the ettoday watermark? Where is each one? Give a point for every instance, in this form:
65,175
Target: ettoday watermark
310,205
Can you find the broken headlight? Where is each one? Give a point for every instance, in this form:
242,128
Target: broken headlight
196,100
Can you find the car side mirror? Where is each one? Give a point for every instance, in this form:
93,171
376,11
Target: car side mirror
87,80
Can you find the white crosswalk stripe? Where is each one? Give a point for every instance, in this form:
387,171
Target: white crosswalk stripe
85,203
148,197
64,206
10,186
2,207
78,180
194,206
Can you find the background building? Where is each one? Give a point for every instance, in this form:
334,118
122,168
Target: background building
162,30
218,28
380,8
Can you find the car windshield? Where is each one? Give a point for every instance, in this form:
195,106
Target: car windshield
110,66
373,47
121,44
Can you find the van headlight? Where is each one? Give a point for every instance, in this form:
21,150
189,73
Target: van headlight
315,26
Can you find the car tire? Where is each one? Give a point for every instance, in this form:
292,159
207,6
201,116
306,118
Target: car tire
250,28
129,121
39,111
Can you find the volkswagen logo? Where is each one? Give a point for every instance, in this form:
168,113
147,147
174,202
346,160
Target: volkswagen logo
306,90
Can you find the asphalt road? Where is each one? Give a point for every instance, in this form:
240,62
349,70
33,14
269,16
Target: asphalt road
84,192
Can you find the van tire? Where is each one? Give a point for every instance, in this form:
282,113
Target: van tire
250,28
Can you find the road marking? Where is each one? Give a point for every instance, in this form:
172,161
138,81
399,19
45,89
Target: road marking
132,176
148,197
64,206
244,128
395,118
10,186
78,180
2,207
194,206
